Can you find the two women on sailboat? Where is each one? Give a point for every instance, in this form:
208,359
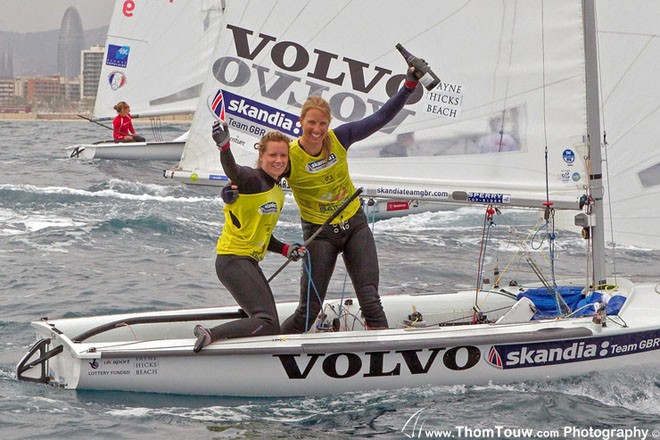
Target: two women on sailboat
247,235
122,125
319,179
320,182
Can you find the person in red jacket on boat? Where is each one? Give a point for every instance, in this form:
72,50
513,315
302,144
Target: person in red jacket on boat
122,125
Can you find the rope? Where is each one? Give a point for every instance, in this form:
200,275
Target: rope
156,129
485,235
310,285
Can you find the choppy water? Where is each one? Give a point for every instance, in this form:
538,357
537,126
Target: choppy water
95,237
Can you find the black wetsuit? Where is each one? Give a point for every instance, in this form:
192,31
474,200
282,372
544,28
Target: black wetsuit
353,238
241,275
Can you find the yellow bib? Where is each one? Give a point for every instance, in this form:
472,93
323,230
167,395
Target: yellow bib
320,187
256,215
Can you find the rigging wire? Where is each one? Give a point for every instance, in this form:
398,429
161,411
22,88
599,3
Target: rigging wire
485,236
549,217
156,128
307,266
549,210
606,158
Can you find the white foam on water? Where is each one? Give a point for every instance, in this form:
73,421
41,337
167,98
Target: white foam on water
115,192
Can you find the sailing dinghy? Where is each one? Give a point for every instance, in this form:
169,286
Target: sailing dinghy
533,66
156,58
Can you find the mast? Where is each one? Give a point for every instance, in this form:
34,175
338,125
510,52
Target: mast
593,132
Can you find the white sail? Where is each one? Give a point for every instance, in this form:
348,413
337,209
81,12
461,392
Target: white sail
520,68
629,50
156,56
520,76
521,72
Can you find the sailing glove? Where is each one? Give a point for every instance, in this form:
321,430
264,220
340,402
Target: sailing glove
411,78
220,135
229,193
294,252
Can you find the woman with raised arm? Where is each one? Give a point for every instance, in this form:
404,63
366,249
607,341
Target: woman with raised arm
247,234
320,182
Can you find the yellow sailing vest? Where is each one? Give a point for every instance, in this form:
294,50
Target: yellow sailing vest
320,187
256,215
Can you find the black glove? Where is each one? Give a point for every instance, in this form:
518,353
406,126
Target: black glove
294,252
220,135
411,77
229,193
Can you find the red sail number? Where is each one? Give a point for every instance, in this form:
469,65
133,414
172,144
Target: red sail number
129,6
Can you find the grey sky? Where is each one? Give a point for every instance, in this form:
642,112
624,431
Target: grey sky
46,15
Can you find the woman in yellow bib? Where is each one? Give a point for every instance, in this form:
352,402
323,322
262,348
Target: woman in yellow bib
320,182
247,235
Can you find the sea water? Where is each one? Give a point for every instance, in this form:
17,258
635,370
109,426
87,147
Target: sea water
88,237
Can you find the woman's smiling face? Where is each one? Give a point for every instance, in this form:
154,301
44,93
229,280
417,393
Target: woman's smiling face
315,125
275,158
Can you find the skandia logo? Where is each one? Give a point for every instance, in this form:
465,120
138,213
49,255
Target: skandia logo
268,208
494,358
262,114
562,352
534,355
318,165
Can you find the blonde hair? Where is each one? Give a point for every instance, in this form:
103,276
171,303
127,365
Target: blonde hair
271,136
120,106
320,104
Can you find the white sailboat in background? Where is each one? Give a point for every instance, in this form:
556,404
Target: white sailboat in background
534,65
156,59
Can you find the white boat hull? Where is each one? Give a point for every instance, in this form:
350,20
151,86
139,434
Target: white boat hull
157,357
162,150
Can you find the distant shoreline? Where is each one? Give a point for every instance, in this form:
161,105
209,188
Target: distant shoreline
73,117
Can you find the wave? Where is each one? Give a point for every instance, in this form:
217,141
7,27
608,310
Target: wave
117,189
602,400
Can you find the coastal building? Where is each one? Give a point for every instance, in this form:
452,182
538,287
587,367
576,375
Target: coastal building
6,63
72,88
6,89
91,61
41,88
71,42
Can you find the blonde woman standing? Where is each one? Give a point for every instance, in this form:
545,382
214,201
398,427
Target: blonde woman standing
320,182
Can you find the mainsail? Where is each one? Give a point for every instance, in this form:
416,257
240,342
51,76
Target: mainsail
157,55
508,92
629,47
520,78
